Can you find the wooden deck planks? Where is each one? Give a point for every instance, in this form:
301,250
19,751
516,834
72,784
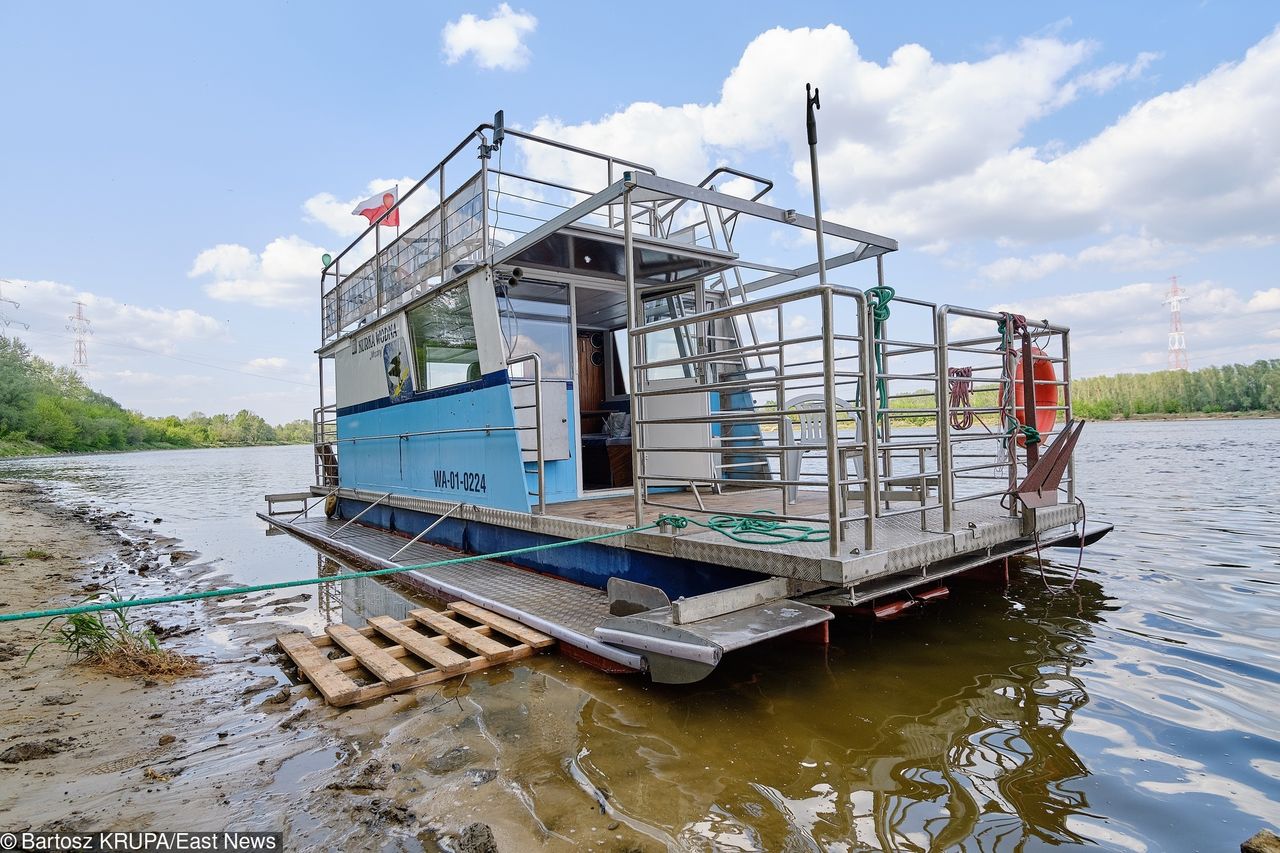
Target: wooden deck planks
334,685
427,648
413,642
461,634
510,627
371,657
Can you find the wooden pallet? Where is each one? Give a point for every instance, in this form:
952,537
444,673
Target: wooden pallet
390,655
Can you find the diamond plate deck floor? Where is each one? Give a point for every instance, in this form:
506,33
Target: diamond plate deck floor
565,610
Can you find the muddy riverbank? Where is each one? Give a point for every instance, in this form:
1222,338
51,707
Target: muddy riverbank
236,746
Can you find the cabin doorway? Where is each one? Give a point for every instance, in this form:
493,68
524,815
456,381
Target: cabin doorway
604,392
604,406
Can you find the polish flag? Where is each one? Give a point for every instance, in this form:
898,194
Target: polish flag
376,205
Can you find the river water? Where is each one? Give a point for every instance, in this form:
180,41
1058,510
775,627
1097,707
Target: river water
1137,711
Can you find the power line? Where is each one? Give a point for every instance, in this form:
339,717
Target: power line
182,359
4,318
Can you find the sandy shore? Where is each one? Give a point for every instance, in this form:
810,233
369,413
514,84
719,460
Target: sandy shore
240,747
85,750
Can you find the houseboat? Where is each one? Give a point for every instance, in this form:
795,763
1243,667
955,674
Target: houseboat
689,445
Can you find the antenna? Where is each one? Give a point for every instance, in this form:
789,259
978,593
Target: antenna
80,326
1177,341
5,319
812,103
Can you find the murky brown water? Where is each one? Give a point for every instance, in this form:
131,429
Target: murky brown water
1137,712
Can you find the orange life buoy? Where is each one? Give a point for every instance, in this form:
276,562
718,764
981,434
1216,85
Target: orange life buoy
1046,393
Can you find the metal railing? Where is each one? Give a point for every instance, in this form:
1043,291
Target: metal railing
745,441
885,385
538,449
486,210
982,458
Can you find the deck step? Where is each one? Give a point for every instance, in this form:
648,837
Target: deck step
462,635
334,685
682,653
428,647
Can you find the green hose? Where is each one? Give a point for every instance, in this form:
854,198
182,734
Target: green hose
751,531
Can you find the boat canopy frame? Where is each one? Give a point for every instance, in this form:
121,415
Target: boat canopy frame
823,353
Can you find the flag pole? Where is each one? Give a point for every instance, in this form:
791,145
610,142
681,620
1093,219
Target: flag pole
397,212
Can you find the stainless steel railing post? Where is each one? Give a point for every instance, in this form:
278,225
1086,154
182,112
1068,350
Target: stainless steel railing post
1066,401
834,476
870,435
537,432
635,317
945,484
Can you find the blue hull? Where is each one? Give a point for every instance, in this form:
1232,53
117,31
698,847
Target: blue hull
589,563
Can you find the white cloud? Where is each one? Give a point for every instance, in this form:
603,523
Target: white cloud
1264,300
926,150
267,364
285,274
46,304
1126,328
671,140
1193,165
1123,252
493,42
224,259
1106,78
899,124
1025,269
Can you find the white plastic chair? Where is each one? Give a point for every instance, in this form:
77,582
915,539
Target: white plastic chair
810,410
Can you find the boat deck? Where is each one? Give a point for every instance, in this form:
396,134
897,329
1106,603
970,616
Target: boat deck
564,610
900,543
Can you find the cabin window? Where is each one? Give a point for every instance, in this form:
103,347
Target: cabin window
659,346
444,339
535,319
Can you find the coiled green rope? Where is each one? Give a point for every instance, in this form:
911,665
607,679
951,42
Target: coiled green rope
751,531
880,298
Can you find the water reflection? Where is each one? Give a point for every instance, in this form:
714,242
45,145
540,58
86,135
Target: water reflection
877,748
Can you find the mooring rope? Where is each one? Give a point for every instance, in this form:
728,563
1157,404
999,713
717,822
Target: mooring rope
880,298
960,388
736,528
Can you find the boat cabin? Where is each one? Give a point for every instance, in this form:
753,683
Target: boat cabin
572,346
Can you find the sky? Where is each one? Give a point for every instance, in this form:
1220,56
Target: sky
181,168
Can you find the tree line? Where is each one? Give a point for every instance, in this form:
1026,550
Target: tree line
1230,388
1210,390
43,406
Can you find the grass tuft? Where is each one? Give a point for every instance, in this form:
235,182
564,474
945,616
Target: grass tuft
109,641
37,554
